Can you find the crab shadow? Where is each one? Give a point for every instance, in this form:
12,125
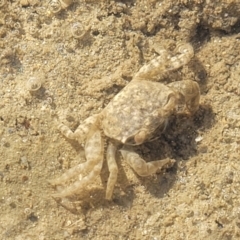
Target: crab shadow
178,142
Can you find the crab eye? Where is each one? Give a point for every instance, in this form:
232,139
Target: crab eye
136,139
140,137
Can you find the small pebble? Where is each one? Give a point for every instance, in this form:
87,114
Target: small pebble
198,139
33,84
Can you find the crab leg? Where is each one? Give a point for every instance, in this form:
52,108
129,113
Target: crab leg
113,169
143,168
70,173
79,134
82,130
158,67
94,155
190,91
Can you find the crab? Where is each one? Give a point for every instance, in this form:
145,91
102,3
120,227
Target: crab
131,118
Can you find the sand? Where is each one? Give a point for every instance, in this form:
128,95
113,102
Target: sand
74,59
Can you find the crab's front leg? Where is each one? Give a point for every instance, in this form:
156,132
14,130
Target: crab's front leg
160,66
141,167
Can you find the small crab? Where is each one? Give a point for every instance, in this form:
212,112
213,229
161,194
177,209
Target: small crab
131,118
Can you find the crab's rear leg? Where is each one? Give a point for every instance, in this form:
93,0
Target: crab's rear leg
81,132
113,170
94,154
143,168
